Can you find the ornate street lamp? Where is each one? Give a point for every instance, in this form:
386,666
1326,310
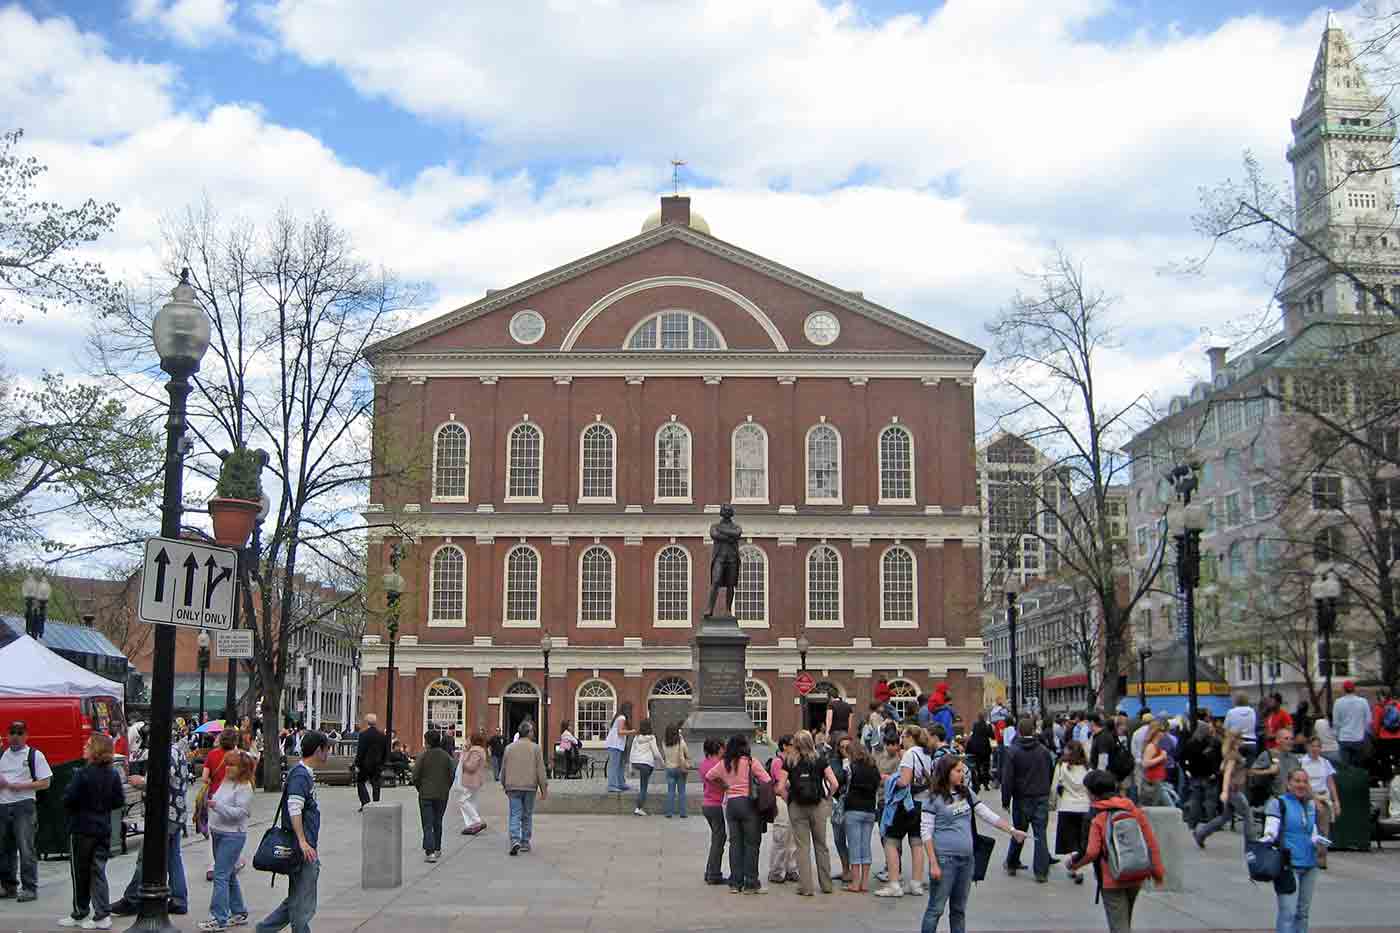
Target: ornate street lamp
546,645
803,646
180,332
393,589
34,617
304,688
1013,592
203,669
1144,655
1326,589
1185,522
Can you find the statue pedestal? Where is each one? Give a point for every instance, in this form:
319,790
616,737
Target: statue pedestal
718,711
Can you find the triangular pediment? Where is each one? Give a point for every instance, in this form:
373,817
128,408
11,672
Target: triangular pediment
922,338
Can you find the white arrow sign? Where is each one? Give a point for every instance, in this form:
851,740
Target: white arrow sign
187,583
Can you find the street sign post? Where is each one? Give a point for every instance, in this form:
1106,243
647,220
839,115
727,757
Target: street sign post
804,683
235,644
188,583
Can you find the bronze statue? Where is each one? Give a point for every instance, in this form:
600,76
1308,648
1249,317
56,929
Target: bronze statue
724,565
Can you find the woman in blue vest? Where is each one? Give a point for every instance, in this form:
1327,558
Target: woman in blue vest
1291,820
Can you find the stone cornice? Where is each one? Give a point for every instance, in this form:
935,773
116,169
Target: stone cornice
551,525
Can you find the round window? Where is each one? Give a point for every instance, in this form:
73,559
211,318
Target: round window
527,327
822,328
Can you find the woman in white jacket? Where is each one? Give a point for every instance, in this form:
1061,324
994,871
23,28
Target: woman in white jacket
1071,800
646,757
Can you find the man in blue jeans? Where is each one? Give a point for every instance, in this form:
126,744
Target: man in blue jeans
299,906
1025,789
522,776
130,901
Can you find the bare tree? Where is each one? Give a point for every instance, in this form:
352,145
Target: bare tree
1048,346
292,308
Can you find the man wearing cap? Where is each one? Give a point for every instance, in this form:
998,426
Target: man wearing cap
1350,717
23,772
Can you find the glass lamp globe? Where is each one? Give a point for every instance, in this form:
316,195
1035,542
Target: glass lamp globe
181,330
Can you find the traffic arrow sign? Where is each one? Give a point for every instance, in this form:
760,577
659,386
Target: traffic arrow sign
190,599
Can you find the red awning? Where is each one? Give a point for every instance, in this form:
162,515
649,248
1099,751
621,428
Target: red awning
1068,680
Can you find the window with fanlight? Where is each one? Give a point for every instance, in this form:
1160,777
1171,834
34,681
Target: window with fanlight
450,462
823,465
750,480
673,587
524,462
597,464
595,704
596,577
522,586
751,596
823,587
673,463
757,704
896,465
898,589
904,697
675,330
448,586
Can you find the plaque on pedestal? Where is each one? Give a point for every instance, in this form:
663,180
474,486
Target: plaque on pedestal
719,712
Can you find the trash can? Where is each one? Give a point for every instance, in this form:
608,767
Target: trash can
1352,830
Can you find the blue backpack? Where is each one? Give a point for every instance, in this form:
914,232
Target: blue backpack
1390,719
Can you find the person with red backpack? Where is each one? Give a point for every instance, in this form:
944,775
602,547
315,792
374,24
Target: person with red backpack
1122,848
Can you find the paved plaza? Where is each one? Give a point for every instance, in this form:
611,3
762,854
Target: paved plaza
626,873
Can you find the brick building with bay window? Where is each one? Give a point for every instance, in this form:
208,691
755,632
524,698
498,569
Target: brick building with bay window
576,435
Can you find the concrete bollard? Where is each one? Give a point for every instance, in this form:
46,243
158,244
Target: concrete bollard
1174,841
381,846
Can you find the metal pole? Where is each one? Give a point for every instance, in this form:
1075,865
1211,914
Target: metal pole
155,892
1011,625
1191,631
544,713
1327,648
1142,682
230,700
203,669
393,675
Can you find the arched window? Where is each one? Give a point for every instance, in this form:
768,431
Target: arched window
675,330
756,702
898,589
673,463
823,465
904,697
522,586
673,587
524,461
750,480
823,587
450,462
595,593
594,707
672,687
896,465
597,464
445,707
1235,562
751,596
448,587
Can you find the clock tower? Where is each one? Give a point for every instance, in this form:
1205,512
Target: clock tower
1343,200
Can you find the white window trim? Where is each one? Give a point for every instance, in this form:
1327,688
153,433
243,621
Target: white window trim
510,434
578,695
598,500
758,623
719,334
446,680
840,590
880,467
689,466
911,682
506,621
767,699
656,620
612,589
466,479
807,466
432,588
734,465
1325,474
886,623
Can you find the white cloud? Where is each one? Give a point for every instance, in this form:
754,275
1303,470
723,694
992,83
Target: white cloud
194,23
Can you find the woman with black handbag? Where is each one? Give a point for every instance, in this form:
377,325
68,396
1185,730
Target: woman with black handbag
735,772
948,833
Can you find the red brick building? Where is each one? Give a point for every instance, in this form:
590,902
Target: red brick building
578,434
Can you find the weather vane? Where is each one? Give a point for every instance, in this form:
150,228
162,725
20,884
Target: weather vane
676,175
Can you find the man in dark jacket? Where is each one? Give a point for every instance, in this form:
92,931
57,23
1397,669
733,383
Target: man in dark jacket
1201,759
979,749
433,774
371,752
1025,789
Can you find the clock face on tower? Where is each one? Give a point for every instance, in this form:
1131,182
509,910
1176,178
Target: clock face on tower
1311,178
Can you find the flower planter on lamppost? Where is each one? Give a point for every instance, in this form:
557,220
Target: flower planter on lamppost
1326,590
181,336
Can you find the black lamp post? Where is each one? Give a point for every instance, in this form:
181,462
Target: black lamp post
393,589
803,646
35,616
546,645
1326,589
247,556
1013,590
1144,655
181,335
203,668
1186,523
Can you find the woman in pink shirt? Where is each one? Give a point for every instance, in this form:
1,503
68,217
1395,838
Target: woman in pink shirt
734,771
713,807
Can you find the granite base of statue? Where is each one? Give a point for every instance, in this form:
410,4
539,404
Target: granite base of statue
718,711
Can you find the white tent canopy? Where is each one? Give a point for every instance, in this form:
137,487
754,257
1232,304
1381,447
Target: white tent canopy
28,669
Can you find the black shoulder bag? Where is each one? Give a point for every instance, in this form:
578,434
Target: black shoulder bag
279,852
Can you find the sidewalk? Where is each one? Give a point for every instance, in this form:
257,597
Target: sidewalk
629,874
